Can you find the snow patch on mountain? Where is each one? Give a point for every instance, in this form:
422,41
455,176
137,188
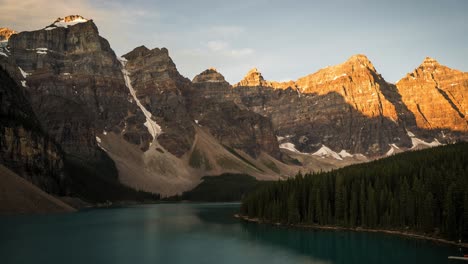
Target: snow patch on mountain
324,151
394,146
153,128
419,142
25,74
344,154
66,22
390,152
290,146
279,138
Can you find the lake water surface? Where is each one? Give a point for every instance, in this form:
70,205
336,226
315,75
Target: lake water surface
195,233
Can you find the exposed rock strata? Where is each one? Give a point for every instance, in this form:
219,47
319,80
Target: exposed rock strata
24,147
437,96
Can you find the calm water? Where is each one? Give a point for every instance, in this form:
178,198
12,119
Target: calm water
194,233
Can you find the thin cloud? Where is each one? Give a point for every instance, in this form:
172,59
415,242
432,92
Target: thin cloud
241,52
217,45
223,48
226,31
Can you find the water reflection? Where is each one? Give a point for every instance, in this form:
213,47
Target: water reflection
194,233
335,246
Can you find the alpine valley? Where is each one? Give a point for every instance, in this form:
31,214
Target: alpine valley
84,125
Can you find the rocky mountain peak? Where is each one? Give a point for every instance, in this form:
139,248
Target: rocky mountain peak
357,81
67,21
253,71
210,75
253,78
434,92
429,60
357,69
361,61
143,51
5,33
429,70
429,64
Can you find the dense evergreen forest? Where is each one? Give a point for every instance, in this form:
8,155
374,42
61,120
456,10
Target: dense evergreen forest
422,192
227,187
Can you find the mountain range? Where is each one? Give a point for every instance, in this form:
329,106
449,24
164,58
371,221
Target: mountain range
74,113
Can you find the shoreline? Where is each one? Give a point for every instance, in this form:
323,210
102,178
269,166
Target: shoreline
357,229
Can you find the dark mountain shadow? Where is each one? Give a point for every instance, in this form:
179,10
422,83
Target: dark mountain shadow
233,126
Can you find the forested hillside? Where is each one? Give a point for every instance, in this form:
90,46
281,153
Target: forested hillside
422,192
227,187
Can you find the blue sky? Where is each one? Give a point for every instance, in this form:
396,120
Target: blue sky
284,39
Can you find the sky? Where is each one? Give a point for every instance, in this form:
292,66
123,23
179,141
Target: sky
285,40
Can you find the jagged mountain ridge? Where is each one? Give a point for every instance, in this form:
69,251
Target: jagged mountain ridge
364,89
206,126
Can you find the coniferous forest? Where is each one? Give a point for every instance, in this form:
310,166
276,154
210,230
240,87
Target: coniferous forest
423,192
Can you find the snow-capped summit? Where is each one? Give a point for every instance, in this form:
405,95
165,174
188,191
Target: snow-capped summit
67,21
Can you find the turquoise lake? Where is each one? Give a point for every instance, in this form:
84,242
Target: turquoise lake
195,233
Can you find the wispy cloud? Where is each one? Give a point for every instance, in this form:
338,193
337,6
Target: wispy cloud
224,48
217,45
225,31
241,52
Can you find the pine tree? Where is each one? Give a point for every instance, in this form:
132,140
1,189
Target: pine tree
465,215
427,219
293,210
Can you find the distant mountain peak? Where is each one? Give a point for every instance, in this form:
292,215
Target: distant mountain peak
252,78
361,60
210,75
253,71
429,63
67,21
5,33
144,51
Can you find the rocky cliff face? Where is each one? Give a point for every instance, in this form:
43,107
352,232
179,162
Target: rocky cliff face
364,92
345,107
76,85
357,81
437,96
24,147
175,103
212,105
159,87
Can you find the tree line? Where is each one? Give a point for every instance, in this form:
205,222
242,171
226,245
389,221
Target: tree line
422,192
